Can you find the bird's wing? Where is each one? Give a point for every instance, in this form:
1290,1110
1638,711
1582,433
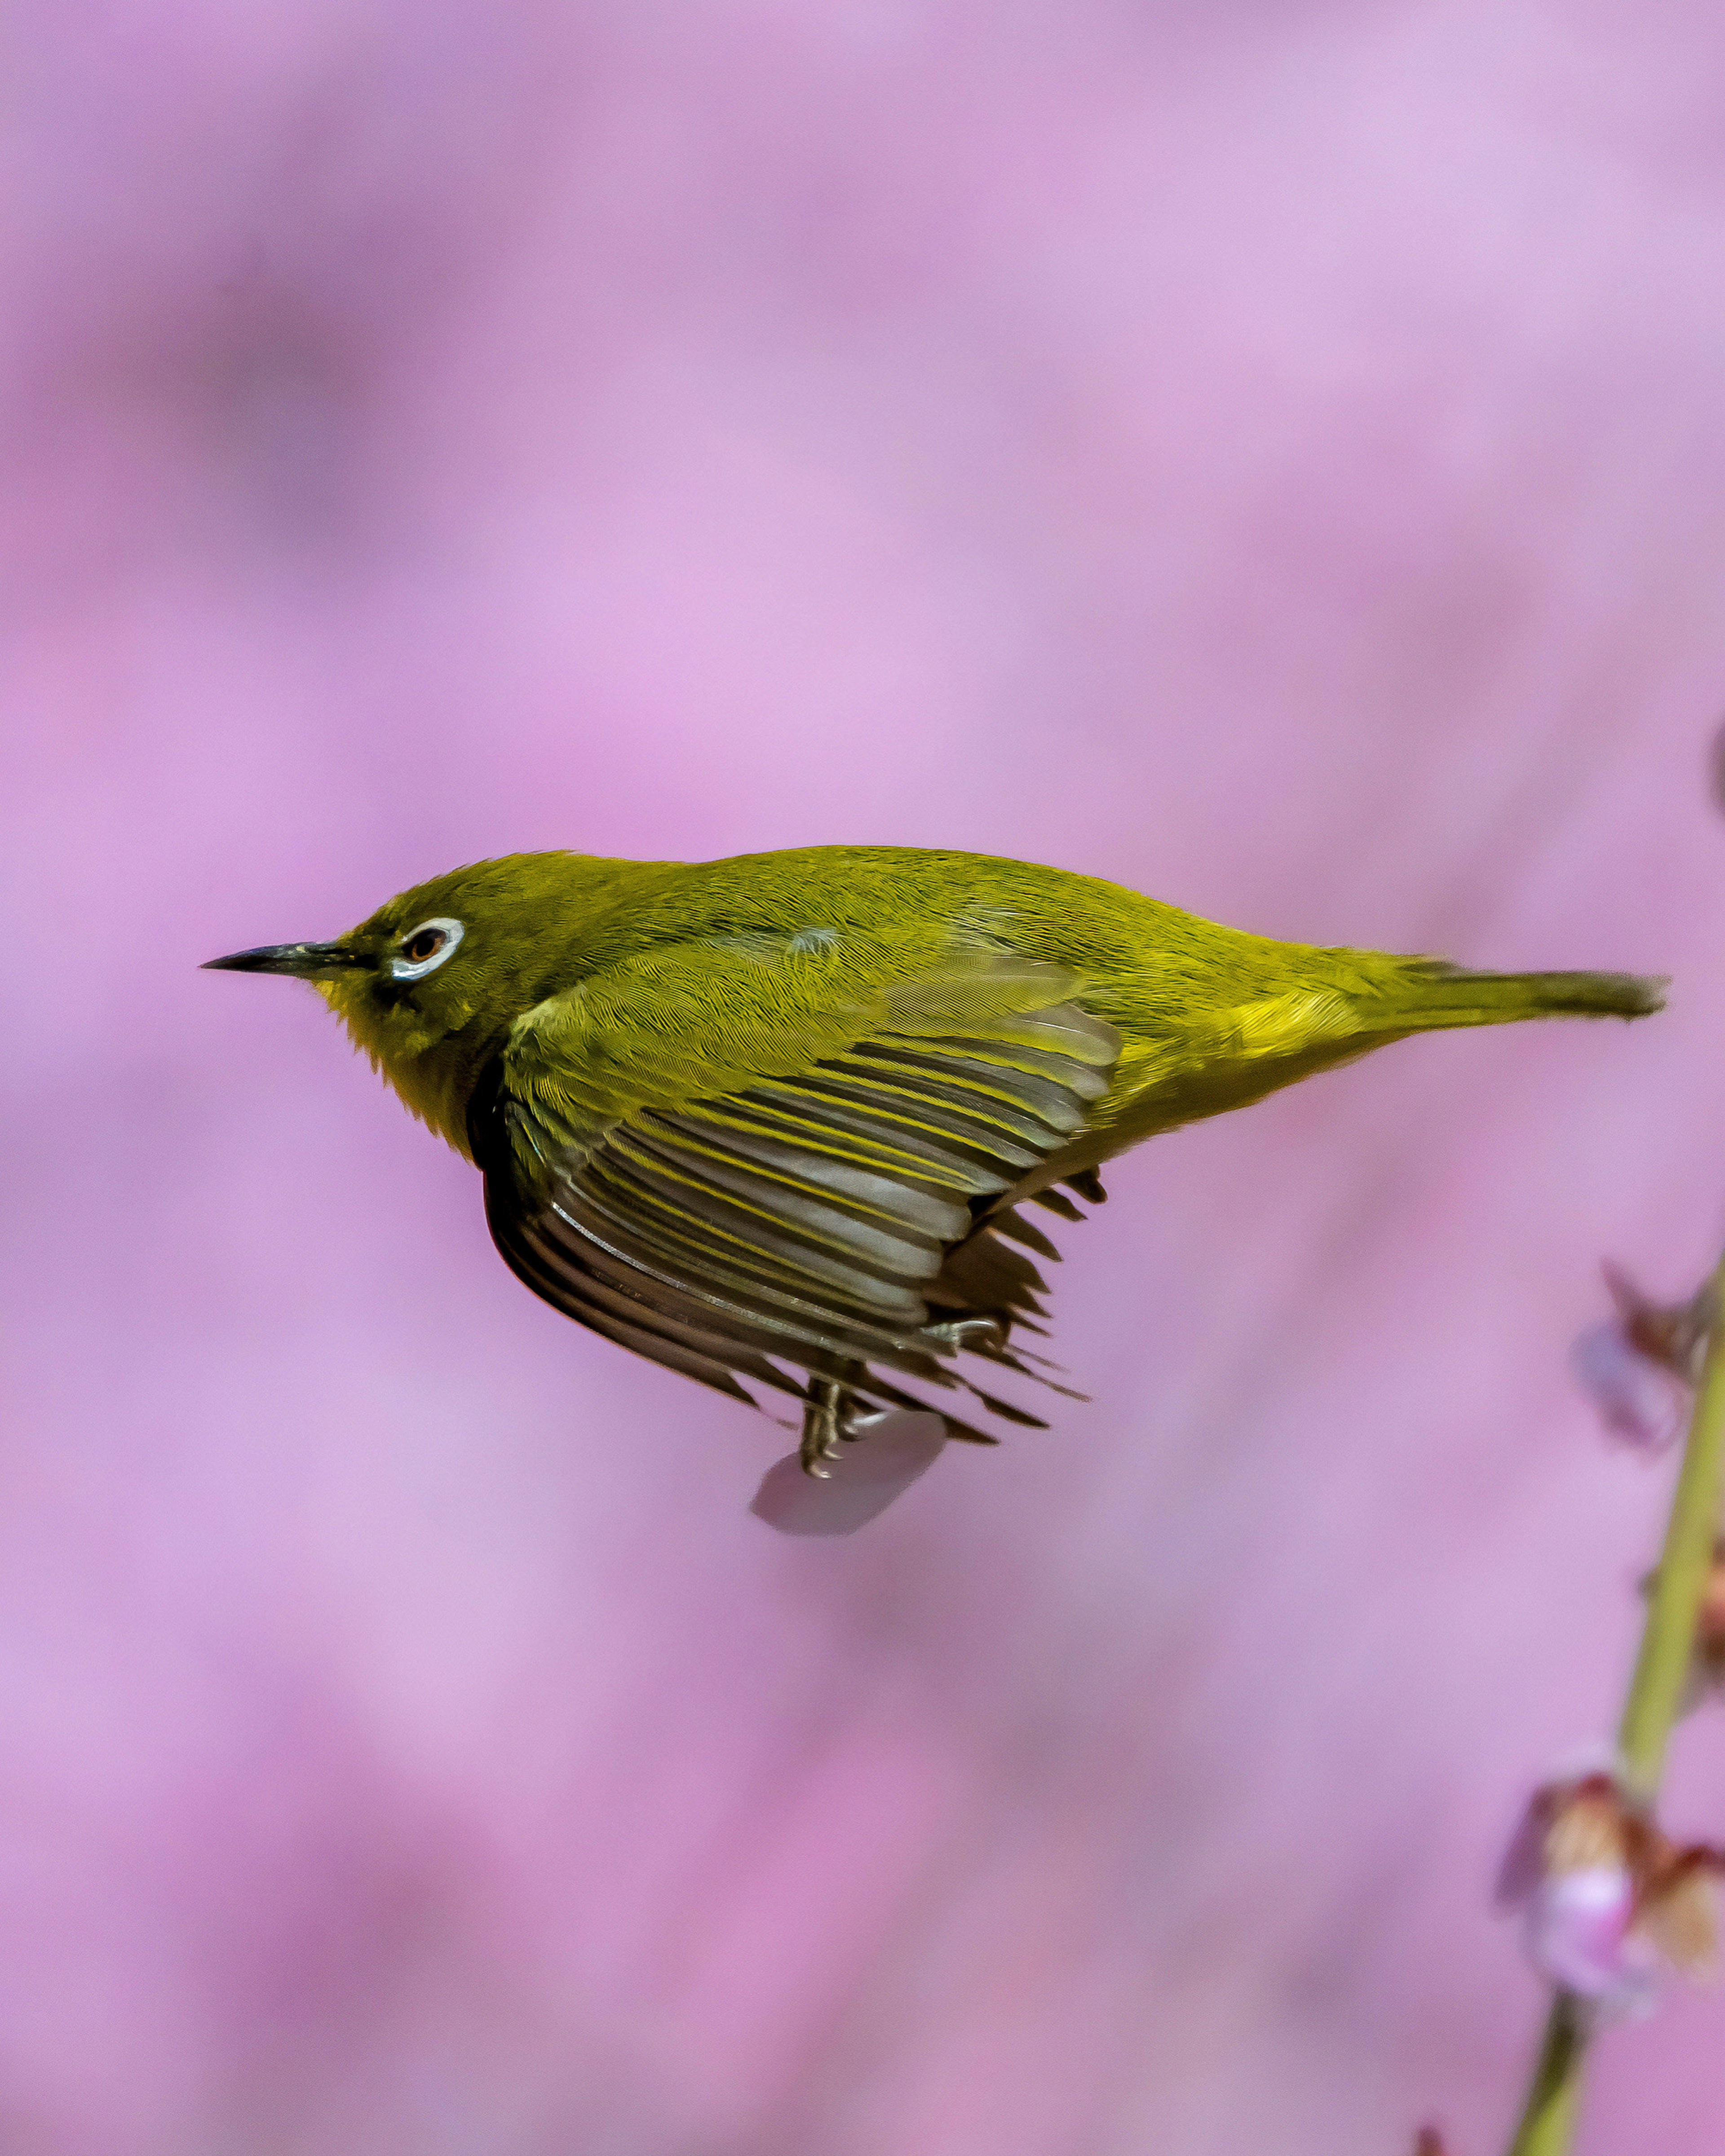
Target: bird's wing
761,1150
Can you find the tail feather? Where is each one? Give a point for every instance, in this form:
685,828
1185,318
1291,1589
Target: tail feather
1438,994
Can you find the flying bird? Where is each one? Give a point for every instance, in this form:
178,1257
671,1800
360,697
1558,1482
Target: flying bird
776,1121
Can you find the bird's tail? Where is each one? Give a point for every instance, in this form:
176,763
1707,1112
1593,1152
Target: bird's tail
1428,993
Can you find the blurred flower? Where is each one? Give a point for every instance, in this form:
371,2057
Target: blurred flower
1638,1367
1428,2142
1640,1404
1606,1896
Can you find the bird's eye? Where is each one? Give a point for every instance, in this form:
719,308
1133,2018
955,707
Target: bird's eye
424,948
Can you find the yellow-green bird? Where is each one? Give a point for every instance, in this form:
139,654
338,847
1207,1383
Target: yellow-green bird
775,1118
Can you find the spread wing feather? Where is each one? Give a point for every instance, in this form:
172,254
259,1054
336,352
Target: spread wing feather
757,1160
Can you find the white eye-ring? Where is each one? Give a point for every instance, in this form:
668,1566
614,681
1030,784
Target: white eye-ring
426,947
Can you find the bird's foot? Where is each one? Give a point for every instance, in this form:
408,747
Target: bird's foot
824,1421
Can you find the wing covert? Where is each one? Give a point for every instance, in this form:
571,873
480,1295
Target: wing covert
760,1161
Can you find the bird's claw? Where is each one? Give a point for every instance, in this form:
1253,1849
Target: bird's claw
977,1333
824,1419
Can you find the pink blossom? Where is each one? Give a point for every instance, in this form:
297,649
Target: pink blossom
1580,1934
1606,1897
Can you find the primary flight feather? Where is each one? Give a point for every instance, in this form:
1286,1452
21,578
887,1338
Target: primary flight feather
771,1121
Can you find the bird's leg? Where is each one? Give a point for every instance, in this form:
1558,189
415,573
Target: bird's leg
823,1426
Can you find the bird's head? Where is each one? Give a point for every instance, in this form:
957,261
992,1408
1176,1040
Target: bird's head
430,984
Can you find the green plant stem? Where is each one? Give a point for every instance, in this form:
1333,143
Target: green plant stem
1548,2116
1661,1669
1674,1601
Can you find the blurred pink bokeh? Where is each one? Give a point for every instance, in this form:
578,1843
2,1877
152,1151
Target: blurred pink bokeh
1272,457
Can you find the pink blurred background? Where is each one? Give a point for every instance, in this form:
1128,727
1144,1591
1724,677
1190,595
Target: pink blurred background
1275,457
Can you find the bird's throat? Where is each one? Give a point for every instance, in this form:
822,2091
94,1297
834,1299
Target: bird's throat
431,1071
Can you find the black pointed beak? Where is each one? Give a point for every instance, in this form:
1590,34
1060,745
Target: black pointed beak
304,961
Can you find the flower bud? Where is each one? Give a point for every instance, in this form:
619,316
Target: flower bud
1706,1678
1672,1333
1709,1667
